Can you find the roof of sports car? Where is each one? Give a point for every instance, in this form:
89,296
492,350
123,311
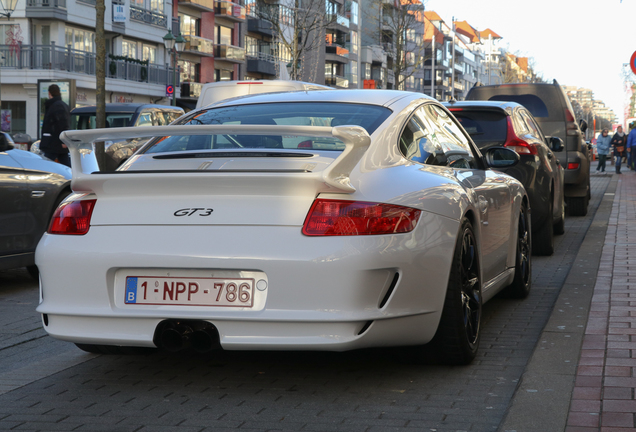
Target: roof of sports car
374,97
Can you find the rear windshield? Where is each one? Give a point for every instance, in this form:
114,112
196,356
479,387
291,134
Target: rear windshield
544,101
531,102
87,120
293,114
485,128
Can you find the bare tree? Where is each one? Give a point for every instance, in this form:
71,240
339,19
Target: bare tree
299,28
400,31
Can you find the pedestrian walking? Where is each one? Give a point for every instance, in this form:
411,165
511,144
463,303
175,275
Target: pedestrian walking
603,148
57,119
619,141
631,147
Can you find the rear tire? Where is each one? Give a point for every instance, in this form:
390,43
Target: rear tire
577,206
457,338
559,227
543,237
33,272
522,283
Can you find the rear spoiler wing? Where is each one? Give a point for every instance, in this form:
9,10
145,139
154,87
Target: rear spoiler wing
84,163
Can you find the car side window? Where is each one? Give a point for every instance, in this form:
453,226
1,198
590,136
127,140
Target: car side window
145,119
447,138
532,125
417,146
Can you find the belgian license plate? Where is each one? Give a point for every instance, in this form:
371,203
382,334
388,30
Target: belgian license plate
183,291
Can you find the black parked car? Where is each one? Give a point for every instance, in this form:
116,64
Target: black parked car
509,124
552,109
31,187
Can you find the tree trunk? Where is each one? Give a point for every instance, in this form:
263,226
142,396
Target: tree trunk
100,77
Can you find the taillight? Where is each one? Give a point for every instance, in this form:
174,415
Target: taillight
349,218
513,142
72,218
306,144
573,165
571,126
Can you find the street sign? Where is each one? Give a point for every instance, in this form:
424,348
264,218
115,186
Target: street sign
631,62
169,90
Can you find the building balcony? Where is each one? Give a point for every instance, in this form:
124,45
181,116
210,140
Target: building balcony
229,53
199,45
53,57
204,5
336,81
338,21
47,9
149,17
261,26
335,50
233,11
261,63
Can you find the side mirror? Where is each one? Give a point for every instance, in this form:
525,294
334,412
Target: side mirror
583,125
555,143
5,145
501,157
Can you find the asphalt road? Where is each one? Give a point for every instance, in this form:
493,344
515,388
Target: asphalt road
49,385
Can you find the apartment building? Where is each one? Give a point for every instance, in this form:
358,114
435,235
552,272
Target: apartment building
48,41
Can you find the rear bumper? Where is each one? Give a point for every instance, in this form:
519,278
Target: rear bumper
320,294
576,180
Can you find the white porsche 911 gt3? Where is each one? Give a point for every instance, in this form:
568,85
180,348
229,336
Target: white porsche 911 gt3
323,220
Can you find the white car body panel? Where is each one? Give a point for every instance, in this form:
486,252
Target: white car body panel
321,291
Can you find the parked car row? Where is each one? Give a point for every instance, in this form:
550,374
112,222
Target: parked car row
319,220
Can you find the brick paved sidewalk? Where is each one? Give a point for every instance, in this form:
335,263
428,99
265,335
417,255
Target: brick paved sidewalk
604,393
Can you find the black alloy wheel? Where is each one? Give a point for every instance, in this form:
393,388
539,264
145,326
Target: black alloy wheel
458,334
520,287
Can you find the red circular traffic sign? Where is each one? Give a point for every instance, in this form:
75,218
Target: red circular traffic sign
169,89
631,62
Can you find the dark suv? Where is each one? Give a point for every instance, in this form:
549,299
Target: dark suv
552,109
124,115
508,124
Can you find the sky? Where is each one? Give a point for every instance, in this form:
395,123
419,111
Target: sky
582,43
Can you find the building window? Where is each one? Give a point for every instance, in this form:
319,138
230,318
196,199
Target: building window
149,53
223,75
152,5
353,42
81,40
129,49
352,12
224,35
189,25
188,71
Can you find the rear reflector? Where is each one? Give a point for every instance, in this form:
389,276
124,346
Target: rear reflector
572,165
72,218
350,218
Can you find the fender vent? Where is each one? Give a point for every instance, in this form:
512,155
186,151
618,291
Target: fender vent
365,327
390,290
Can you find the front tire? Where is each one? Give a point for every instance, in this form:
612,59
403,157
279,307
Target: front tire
520,287
577,206
458,334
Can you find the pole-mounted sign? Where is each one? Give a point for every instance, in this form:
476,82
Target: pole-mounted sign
169,90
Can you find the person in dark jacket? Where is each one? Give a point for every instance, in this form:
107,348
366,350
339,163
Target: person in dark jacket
619,140
57,119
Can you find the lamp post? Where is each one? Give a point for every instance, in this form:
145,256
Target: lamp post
8,6
173,45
